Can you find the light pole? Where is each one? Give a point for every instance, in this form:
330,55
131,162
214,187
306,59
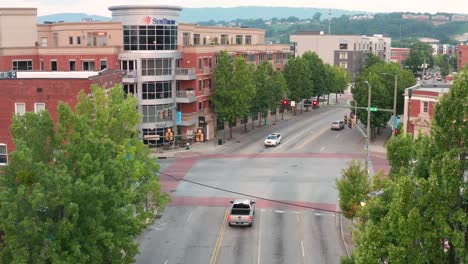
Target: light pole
395,124
368,126
355,111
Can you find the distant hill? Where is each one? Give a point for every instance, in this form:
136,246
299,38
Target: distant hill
70,17
195,15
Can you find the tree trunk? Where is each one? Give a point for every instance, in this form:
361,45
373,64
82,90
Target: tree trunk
230,132
260,120
336,98
245,126
328,99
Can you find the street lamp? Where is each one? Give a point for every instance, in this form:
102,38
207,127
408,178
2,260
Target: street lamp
368,126
395,124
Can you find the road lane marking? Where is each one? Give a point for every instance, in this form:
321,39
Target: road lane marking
302,246
297,217
188,219
322,148
297,135
259,238
312,138
219,240
337,136
166,261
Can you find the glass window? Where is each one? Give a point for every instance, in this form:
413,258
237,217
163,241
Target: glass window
53,65
238,39
343,56
3,154
425,107
103,64
72,64
78,40
260,57
130,88
70,40
200,85
224,39
23,65
88,66
343,64
248,40
343,46
186,39
44,42
39,107
150,37
269,56
156,90
156,113
196,39
151,67
20,109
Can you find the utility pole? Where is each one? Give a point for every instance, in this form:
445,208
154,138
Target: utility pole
329,21
368,127
395,124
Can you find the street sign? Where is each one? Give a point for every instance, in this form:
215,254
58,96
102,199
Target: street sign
373,109
293,103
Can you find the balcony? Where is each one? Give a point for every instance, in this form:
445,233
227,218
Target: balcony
185,74
207,91
129,76
207,70
186,96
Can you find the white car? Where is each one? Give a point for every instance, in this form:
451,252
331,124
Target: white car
273,140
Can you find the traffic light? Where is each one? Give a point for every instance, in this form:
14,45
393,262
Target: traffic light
285,103
314,103
395,131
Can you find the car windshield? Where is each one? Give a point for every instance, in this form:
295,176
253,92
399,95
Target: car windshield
335,123
271,137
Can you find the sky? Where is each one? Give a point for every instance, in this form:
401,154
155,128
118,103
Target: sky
100,7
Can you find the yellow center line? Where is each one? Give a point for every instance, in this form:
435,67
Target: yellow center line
214,255
314,137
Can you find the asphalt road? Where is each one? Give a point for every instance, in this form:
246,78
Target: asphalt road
301,171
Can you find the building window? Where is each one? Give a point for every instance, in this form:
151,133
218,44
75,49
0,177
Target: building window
88,66
78,40
200,63
244,120
224,39
25,65
53,65
200,106
254,117
343,46
156,90
150,37
3,154
425,107
20,109
70,40
72,65
238,39
209,84
44,42
260,57
56,39
156,67
103,64
156,113
186,39
278,58
269,56
196,39
41,65
251,57
210,63
343,56
38,107
130,88
200,85
97,39
248,40
343,64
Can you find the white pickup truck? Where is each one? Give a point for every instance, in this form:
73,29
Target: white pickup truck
242,212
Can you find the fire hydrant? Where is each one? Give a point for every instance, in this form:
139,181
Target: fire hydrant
187,146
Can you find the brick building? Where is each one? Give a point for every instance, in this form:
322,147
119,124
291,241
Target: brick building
462,56
420,106
399,55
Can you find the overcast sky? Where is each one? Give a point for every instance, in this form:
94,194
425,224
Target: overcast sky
99,7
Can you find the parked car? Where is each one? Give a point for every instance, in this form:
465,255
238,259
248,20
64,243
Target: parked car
337,125
242,212
273,139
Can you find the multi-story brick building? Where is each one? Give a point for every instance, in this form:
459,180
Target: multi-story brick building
462,56
347,51
419,107
168,66
399,55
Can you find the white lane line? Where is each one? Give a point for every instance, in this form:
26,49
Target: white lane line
302,246
297,217
166,261
259,238
322,148
188,218
337,136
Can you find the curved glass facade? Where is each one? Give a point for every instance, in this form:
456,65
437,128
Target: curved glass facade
150,37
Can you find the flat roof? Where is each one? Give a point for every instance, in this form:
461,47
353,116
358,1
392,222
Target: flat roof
55,74
127,7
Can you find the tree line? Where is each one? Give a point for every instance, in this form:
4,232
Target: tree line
243,89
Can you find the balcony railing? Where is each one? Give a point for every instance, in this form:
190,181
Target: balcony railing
186,96
206,91
207,70
185,73
130,74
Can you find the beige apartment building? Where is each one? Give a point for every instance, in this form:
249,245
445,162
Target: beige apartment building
347,51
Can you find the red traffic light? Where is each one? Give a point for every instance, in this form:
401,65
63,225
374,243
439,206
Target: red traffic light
314,103
285,102
395,132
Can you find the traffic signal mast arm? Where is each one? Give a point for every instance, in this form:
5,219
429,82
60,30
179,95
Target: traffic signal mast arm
363,108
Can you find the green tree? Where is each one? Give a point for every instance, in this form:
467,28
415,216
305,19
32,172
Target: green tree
420,54
352,187
263,96
242,88
77,193
296,73
317,75
372,60
279,89
223,101
337,79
